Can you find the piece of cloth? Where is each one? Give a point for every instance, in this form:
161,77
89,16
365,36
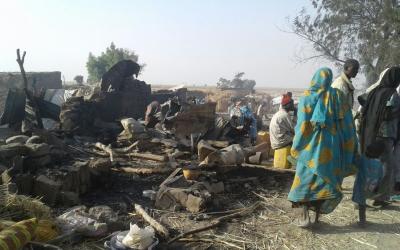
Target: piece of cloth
281,129
234,111
223,130
344,84
396,161
362,100
150,118
386,186
389,126
246,118
32,118
373,86
325,144
375,110
368,178
229,156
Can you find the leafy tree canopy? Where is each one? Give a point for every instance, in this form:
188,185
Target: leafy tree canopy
366,30
78,79
236,82
98,65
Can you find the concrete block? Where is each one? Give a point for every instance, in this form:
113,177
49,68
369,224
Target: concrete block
13,149
24,183
46,188
68,198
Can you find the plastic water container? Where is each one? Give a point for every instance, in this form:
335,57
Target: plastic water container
263,136
280,157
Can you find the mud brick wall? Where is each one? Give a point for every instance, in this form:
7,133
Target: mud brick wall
131,102
12,80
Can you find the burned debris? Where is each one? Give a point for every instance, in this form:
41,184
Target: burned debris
111,137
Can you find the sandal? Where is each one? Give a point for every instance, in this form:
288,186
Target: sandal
381,203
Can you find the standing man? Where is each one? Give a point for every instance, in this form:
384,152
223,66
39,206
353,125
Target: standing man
343,82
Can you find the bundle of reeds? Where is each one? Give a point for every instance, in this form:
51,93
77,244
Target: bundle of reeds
12,205
31,207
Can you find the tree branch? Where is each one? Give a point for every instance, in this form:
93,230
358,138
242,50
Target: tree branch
307,59
29,96
319,44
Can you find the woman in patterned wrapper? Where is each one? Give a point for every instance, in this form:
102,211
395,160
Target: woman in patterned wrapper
325,146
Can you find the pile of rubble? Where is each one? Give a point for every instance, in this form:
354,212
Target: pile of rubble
104,135
37,169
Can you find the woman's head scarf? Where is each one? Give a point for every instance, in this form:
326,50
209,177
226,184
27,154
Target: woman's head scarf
320,107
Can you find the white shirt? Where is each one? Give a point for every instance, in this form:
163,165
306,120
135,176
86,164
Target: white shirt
343,84
281,129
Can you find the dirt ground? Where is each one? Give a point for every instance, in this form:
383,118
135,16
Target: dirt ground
271,226
268,227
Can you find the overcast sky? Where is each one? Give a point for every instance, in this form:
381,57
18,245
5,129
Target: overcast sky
181,41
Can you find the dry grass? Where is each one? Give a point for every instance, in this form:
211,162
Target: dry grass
21,206
271,227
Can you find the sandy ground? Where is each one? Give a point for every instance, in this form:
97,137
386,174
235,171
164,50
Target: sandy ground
271,226
268,227
339,230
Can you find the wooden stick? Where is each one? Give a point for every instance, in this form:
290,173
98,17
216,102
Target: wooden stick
155,170
210,241
157,226
225,212
148,156
106,149
172,175
217,221
126,149
279,170
21,67
364,243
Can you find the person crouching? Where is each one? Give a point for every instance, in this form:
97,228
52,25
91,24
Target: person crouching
281,127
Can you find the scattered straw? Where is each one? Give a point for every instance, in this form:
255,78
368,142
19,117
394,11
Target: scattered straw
364,243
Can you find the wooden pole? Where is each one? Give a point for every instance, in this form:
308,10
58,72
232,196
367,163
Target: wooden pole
217,221
31,98
157,226
148,156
